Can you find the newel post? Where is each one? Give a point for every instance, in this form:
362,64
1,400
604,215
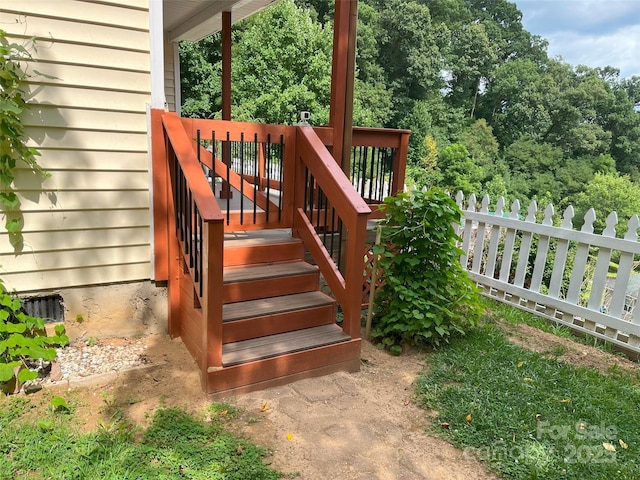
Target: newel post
160,175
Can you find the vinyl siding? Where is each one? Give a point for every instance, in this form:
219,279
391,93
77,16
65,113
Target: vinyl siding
169,77
88,223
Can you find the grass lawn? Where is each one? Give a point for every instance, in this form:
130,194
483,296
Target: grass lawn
528,416
175,446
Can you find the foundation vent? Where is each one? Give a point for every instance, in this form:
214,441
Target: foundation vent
48,307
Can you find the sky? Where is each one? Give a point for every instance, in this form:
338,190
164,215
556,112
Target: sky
595,33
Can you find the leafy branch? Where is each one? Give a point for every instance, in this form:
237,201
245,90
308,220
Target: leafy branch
13,142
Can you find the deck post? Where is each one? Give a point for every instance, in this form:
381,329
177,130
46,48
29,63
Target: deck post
225,191
342,80
159,170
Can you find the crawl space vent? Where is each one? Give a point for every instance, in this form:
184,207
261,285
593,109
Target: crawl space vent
48,307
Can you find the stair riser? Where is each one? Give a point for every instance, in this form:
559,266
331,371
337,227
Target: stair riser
261,374
262,326
270,287
255,254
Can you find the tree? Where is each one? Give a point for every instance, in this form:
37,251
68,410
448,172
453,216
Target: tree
459,172
409,53
608,193
201,81
281,66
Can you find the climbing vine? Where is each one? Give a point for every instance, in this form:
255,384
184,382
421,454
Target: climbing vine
426,295
13,143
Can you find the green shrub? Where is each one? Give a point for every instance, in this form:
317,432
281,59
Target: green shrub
426,294
23,339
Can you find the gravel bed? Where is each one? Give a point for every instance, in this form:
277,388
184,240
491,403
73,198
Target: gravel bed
81,360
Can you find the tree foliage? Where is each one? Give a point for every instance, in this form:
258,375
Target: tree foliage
463,73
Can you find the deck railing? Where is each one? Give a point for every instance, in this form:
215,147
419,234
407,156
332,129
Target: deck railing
378,162
330,217
198,240
256,162
555,271
279,177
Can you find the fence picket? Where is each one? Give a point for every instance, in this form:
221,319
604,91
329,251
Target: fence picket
466,239
509,242
602,265
525,246
560,260
542,251
479,245
492,253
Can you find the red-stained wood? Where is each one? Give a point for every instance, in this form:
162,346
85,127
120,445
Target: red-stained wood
339,73
191,324
306,362
379,137
159,171
196,181
236,130
226,65
174,262
354,277
400,165
268,250
335,185
270,287
279,322
213,292
350,366
330,272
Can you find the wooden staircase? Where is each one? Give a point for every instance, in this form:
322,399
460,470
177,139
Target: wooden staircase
277,324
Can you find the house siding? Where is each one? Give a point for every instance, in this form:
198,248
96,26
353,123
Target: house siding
87,224
169,77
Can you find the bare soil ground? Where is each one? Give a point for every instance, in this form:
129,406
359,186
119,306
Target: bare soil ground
349,426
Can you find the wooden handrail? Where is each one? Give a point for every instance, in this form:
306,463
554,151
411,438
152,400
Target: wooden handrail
235,129
378,138
366,136
206,238
182,146
330,176
350,207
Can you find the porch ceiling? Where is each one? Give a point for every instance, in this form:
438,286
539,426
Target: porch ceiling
195,19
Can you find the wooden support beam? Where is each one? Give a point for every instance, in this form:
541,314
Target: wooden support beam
342,79
226,192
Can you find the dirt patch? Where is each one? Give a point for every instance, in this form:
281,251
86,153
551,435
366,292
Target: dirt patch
348,426
566,350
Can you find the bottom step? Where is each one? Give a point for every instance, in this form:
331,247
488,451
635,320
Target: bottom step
266,347
283,369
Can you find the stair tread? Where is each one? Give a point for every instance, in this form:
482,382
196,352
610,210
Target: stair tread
280,344
274,270
274,305
259,241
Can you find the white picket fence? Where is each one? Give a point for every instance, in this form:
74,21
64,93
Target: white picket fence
498,256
